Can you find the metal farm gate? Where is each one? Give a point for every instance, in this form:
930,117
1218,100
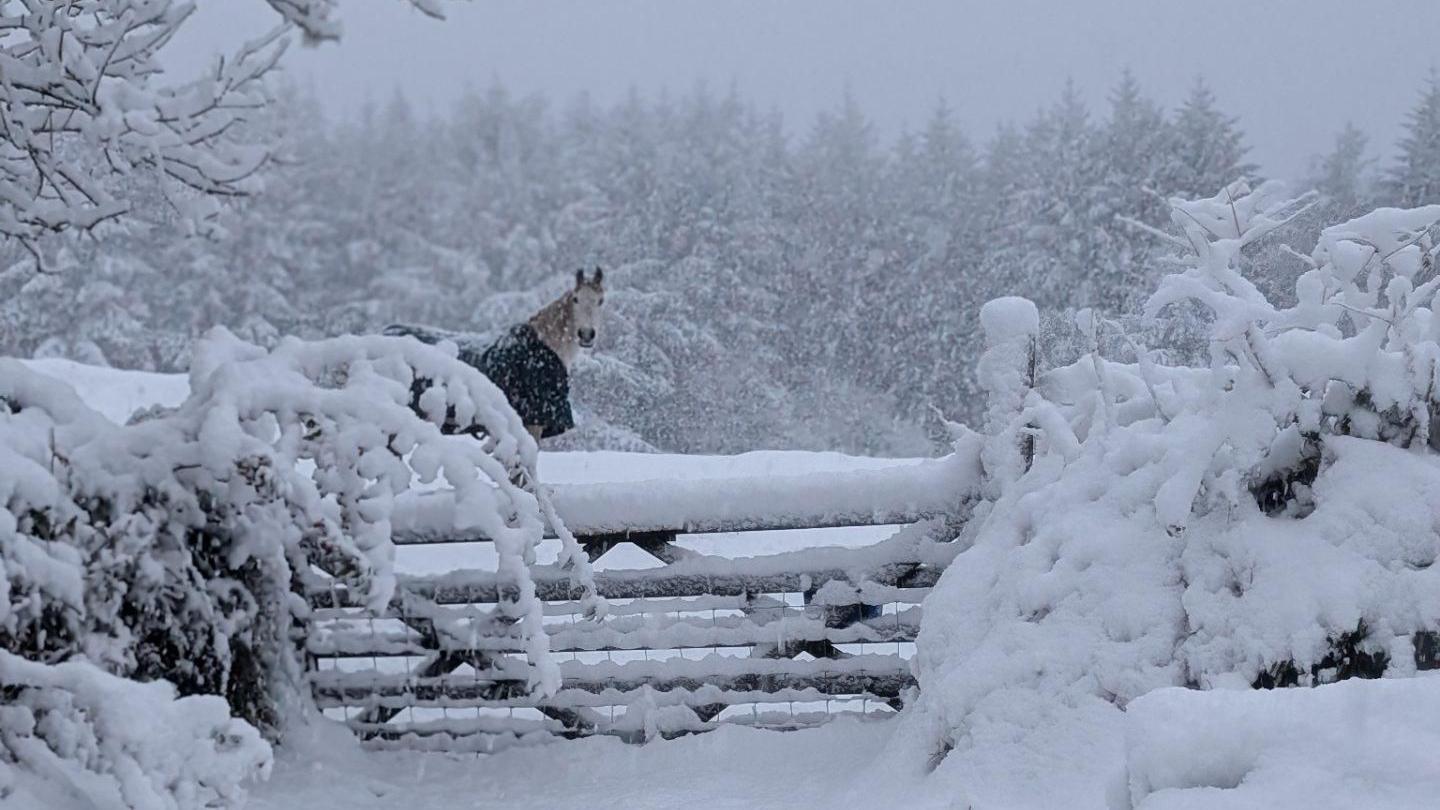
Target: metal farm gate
778,641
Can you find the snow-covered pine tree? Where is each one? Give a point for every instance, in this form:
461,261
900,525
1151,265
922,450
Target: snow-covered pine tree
1415,177
1066,258
1343,176
932,192
1134,147
1209,147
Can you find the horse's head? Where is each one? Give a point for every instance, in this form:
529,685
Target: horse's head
585,302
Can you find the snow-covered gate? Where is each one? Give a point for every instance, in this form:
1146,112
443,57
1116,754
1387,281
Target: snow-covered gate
781,641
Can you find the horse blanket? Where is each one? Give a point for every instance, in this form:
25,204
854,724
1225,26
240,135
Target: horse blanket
530,373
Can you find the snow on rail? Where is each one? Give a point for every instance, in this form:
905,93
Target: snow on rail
901,562
876,675
887,495
637,633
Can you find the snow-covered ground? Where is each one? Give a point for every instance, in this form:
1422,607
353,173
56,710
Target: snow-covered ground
733,768
1346,745
115,393
1356,744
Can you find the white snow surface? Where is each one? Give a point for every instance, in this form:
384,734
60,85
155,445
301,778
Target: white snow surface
115,393
1344,745
1131,556
732,768
87,740
884,494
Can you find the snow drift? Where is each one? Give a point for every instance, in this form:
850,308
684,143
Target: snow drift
76,736
1345,745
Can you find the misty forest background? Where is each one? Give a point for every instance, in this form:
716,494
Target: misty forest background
767,289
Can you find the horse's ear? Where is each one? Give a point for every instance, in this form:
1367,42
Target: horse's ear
599,274
579,278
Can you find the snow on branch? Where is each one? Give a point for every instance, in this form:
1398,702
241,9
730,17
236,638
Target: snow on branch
83,108
81,105
315,18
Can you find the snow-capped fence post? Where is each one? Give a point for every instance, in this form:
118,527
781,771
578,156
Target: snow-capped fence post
1007,375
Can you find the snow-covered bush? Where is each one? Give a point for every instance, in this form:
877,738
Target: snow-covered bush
171,548
74,735
85,104
1270,519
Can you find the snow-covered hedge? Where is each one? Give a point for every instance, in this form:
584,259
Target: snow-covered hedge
1272,519
72,735
171,548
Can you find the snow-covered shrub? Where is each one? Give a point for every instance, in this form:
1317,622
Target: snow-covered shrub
171,547
1269,519
74,735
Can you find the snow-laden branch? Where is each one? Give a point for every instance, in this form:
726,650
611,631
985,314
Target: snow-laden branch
81,104
316,18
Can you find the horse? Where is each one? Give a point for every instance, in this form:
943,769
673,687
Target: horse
531,361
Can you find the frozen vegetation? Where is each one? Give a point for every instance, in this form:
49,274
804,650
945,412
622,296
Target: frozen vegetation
1266,520
168,547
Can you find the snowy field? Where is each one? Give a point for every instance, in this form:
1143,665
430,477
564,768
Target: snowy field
1356,744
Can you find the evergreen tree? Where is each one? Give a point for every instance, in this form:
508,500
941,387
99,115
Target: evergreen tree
1415,178
1209,149
1066,256
813,292
1342,175
1134,148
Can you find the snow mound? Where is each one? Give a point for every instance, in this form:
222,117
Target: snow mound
1345,745
76,737
1008,318
116,393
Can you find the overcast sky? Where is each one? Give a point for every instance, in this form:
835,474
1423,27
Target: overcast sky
1293,70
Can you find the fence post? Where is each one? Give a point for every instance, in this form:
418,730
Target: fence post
1007,375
